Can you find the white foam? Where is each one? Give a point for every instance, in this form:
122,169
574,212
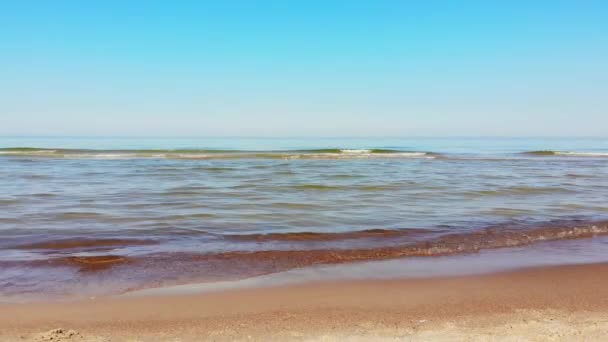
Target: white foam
583,154
101,156
360,154
189,156
343,154
412,154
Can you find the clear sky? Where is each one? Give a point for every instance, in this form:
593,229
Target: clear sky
304,68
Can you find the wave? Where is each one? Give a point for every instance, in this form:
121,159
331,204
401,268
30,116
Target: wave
316,236
518,190
565,153
448,244
95,263
163,268
79,215
351,151
324,153
7,201
210,154
319,187
85,244
26,149
250,263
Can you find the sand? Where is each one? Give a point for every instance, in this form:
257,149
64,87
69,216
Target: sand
551,303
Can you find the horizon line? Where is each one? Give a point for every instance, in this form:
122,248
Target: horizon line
309,136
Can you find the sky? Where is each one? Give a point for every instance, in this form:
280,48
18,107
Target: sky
304,68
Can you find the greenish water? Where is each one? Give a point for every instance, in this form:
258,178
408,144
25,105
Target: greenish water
106,215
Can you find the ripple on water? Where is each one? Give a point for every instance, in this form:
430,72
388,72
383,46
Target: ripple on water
179,267
79,215
82,244
518,190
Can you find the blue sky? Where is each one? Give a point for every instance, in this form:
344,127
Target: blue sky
307,68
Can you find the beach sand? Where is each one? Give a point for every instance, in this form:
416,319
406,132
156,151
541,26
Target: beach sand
551,303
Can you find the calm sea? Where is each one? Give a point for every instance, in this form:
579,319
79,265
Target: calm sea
108,215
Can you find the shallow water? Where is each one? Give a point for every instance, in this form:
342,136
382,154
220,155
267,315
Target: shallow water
544,254
143,212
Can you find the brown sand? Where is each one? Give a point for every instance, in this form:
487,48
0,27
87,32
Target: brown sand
552,303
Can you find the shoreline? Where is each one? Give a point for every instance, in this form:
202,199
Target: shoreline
101,267
564,300
102,284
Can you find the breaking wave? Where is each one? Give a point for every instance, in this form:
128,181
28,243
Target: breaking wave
566,153
315,236
438,243
212,154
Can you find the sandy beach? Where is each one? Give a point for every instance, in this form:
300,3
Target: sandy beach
181,171
549,303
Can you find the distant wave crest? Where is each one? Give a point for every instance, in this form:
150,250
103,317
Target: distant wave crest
331,153
566,153
324,153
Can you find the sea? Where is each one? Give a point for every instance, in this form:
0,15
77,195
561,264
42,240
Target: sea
97,216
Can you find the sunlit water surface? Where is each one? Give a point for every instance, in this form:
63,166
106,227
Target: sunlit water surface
144,212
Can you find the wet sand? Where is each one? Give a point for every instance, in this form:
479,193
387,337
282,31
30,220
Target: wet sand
100,266
549,303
